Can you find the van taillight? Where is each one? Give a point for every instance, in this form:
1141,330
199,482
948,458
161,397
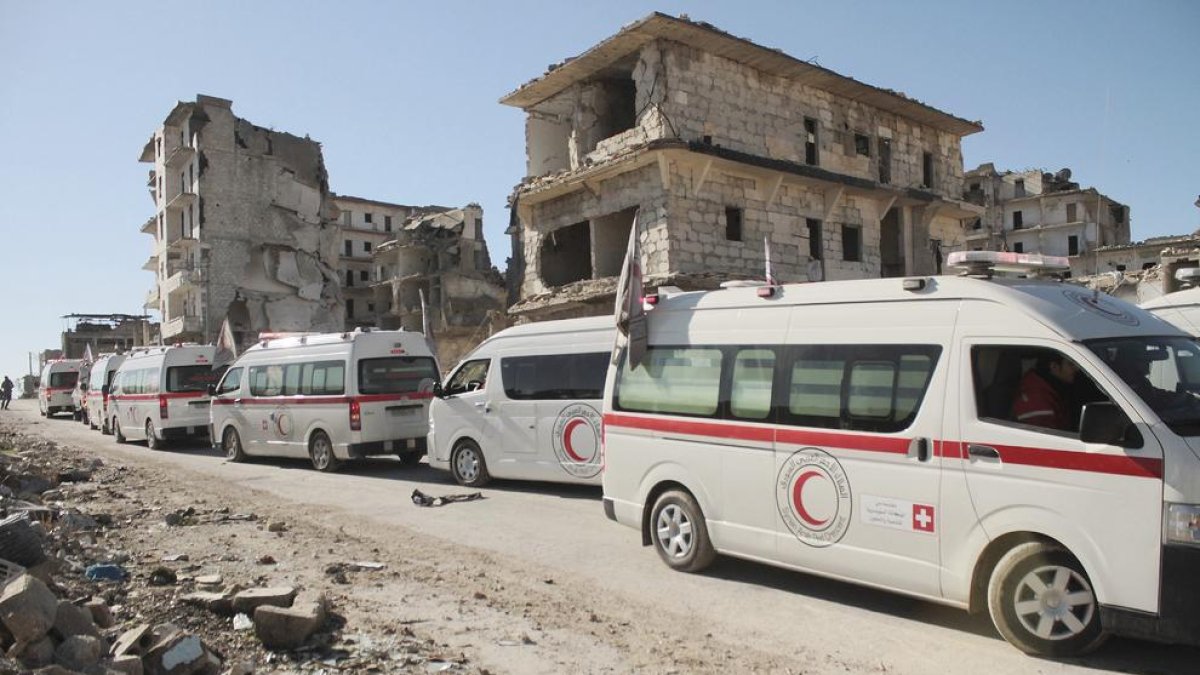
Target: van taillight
162,406
355,416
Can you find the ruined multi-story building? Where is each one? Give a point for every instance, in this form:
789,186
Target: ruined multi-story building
365,225
106,333
444,256
717,143
243,228
1039,212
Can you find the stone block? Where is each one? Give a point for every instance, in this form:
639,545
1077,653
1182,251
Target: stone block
133,642
215,602
102,615
277,596
78,652
36,654
177,653
71,620
288,627
128,664
27,608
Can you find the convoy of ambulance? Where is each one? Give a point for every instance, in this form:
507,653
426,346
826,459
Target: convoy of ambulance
858,430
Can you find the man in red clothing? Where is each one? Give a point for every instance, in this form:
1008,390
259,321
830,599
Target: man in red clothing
1042,398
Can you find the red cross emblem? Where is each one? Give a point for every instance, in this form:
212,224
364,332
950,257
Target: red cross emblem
923,518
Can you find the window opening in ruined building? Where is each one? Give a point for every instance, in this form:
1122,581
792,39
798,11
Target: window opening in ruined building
927,169
1019,188
1120,268
349,278
347,218
975,187
183,186
566,255
610,238
1018,220
1149,265
851,243
1072,245
367,217
733,223
977,224
350,307
1118,213
1019,247
371,307
387,223
616,105
862,145
811,155
1071,213
364,275
366,247
891,247
349,247
885,160
815,248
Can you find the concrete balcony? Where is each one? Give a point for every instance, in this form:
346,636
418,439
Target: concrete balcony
181,201
182,243
152,298
181,325
150,226
179,156
182,279
151,264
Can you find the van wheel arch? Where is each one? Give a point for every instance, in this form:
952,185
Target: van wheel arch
651,498
990,557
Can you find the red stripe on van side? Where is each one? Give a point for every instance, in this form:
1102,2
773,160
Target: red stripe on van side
1046,458
301,399
155,397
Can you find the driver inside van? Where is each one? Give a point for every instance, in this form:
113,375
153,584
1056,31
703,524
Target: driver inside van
1046,394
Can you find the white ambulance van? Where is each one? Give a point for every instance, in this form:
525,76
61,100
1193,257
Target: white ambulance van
329,398
525,405
990,444
99,386
160,394
56,385
79,393
1181,308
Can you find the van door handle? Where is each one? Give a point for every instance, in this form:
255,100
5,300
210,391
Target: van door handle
919,448
237,402
487,407
983,451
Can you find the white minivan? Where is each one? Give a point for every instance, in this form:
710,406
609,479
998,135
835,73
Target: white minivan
56,386
1181,308
99,386
328,397
525,404
161,393
1023,447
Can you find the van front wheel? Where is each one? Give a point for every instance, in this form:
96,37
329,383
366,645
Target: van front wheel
1042,602
320,451
117,431
679,533
468,466
231,443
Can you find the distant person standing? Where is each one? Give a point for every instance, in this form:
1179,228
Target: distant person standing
6,393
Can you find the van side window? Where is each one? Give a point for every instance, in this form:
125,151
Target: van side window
291,379
876,388
150,381
679,380
232,381
266,380
323,378
750,387
554,377
1031,387
471,376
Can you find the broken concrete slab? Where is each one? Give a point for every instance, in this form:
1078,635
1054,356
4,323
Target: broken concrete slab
27,608
71,620
215,602
277,596
78,652
101,613
177,653
209,580
39,653
288,627
133,642
128,665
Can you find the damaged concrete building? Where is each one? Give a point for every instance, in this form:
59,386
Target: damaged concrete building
444,256
365,225
718,143
1040,212
106,333
243,228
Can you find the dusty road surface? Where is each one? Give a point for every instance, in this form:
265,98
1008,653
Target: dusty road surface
534,579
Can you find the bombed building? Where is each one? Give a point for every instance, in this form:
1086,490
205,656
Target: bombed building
442,256
716,144
106,333
243,227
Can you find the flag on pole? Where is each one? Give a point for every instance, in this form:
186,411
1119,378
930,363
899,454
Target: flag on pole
767,255
426,326
630,314
226,351
87,354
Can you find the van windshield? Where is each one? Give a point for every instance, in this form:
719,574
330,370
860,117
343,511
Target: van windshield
64,380
396,375
1163,371
191,378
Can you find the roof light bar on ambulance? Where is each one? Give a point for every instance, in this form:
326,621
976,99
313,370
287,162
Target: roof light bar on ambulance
985,263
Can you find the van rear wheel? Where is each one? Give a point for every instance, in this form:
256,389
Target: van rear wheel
468,466
152,441
679,533
320,451
116,426
231,443
1041,601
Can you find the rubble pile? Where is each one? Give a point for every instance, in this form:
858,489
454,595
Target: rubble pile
81,591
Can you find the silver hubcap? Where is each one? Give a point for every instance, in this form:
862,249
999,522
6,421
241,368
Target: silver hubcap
150,434
1054,602
321,452
467,464
674,531
231,443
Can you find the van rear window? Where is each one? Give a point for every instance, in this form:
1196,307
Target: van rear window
396,375
63,380
192,378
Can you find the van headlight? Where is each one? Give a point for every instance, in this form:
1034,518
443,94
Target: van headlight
1183,524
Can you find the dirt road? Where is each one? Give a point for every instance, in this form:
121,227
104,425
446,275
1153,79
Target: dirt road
534,579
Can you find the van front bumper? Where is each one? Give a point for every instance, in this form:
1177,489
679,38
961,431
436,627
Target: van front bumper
403,445
1178,618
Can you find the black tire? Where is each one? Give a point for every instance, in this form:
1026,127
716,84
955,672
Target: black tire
231,444
679,533
152,441
320,451
468,465
1041,601
105,430
116,427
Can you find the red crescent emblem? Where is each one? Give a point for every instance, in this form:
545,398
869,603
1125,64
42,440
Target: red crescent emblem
567,439
798,498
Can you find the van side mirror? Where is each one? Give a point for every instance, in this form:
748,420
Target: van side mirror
437,390
212,389
104,390
1105,422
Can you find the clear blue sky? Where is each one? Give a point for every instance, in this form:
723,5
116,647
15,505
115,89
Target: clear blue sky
402,95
